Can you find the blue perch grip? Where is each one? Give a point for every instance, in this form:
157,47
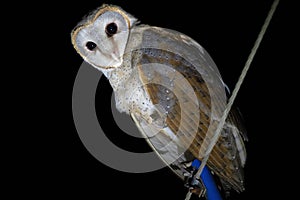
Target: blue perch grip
212,191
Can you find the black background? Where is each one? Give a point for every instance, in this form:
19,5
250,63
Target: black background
59,166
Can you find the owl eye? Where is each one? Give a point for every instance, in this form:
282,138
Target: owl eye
111,29
90,45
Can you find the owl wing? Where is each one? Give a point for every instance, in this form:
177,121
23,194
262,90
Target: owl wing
189,98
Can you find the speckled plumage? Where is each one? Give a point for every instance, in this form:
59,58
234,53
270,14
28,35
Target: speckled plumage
172,89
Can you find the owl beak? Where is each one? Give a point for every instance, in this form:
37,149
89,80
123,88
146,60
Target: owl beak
112,60
115,62
117,58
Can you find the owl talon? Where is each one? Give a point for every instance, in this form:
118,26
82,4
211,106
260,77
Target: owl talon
195,186
193,183
186,165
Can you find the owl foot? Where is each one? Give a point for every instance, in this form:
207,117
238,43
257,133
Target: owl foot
193,183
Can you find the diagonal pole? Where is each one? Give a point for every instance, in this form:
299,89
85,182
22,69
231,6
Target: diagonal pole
235,91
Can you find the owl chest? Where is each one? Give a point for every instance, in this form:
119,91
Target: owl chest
130,94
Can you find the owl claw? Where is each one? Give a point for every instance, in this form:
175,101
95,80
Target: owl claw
195,186
193,183
186,165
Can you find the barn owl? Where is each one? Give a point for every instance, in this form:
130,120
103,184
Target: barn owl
170,87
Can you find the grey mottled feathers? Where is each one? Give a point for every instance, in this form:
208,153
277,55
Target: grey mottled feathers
181,53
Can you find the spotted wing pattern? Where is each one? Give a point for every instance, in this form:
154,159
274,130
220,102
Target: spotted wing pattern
166,88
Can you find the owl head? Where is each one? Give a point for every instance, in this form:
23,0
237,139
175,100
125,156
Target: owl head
101,37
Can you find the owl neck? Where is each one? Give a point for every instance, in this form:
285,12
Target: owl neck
118,77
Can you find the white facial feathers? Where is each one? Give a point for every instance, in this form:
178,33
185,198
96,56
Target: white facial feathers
102,37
